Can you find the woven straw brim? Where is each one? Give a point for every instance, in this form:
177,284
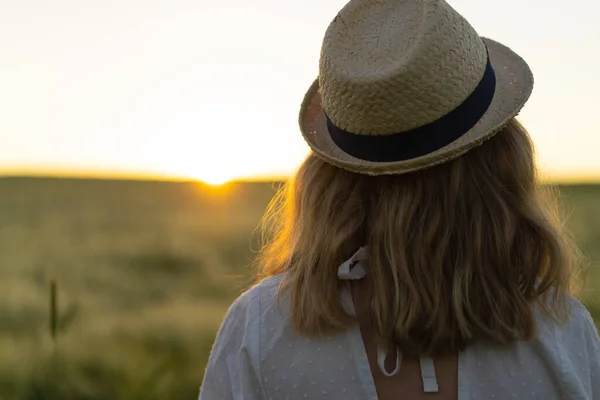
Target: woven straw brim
514,83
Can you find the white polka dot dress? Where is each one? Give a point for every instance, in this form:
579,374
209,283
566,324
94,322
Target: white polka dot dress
257,355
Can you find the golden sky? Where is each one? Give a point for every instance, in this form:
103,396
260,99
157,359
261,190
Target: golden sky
211,89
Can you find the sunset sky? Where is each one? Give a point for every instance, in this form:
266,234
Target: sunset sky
210,90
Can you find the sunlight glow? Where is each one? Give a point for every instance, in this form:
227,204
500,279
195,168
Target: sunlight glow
216,179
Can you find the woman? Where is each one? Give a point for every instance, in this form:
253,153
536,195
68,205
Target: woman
414,255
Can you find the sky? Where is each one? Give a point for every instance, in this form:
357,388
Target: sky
211,90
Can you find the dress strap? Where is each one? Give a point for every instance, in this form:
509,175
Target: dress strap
430,383
382,356
354,267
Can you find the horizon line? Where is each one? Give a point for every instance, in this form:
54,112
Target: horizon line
129,176
158,177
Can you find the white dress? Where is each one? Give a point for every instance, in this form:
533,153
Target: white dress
257,355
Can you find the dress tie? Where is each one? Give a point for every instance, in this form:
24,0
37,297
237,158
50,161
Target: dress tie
355,268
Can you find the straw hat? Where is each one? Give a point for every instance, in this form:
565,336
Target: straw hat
408,84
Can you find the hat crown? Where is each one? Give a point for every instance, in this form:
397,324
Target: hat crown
389,66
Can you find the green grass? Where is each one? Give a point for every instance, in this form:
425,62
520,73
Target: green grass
145,272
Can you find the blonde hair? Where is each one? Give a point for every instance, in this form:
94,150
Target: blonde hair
457,253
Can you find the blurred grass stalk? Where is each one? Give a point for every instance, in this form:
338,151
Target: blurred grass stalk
53,309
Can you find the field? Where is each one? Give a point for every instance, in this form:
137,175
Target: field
144,273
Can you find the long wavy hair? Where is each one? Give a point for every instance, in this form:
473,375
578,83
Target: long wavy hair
457,253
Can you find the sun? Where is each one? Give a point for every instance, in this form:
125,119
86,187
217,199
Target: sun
216,180
206,169
216,177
